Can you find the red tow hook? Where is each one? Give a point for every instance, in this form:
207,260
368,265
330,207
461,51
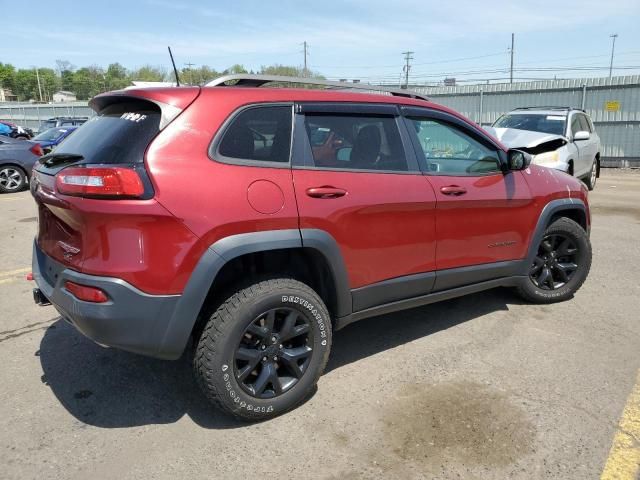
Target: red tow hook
30,277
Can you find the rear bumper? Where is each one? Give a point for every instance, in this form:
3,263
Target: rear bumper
131,320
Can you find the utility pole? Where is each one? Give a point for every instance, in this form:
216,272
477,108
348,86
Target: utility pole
189,65
305,53
39,87
511,69
613,48
407,67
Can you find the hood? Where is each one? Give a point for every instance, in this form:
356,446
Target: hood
524,139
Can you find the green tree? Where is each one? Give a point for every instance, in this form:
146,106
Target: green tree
66,80
197,76
7,75
117,77
26,85
149,73
49,83
235,69
284,70
65,71
88,82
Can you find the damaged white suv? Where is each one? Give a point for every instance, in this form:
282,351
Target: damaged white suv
558,137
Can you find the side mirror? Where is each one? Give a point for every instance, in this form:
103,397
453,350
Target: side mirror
518,160
581,135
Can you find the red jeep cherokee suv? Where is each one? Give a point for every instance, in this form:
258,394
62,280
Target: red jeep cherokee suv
256,221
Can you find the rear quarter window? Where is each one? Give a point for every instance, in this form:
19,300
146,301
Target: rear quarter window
256,135
119,133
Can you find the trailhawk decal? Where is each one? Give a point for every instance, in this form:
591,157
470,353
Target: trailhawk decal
313,310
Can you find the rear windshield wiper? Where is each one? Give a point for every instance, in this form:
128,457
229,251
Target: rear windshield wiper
53,159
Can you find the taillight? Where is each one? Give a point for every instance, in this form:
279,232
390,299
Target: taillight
100,182
88,294
37,150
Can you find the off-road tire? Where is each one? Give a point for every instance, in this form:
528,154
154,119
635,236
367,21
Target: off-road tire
215,354
563,227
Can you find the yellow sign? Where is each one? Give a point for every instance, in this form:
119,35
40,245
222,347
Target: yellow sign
613,106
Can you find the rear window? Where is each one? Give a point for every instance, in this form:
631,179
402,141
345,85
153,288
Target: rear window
120,133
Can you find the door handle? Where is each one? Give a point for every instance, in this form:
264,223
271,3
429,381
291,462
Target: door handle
453,190
326,192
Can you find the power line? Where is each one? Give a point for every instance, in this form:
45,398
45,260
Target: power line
452,60
578,68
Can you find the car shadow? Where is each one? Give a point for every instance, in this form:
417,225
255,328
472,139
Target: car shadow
109,388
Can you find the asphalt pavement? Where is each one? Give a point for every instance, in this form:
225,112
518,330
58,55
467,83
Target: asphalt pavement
482,387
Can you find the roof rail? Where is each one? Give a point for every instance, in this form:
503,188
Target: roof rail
244,80
545,107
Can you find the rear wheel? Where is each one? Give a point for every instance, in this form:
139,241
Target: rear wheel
12,179
262,351
561,264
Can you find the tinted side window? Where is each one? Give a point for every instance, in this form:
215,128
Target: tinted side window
260,134
449,150
356,142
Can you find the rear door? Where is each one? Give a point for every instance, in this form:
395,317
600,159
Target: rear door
484,216
356,178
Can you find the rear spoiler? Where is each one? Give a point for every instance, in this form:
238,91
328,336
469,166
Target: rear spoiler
171,101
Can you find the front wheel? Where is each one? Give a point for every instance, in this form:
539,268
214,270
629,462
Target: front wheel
561,264
262,351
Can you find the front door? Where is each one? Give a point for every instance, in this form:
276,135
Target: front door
483,215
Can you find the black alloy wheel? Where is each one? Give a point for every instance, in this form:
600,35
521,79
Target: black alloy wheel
555,263
274,353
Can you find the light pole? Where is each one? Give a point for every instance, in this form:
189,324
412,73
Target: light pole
613,48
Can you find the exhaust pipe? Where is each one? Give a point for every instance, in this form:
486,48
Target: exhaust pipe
39,298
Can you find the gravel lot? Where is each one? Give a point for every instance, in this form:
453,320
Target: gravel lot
479,387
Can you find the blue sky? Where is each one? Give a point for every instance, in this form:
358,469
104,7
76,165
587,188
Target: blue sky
347,39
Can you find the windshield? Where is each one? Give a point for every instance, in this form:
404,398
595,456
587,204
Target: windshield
535,122
51,134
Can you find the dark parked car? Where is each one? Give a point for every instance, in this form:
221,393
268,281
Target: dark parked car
52,137
17,131
17,158
251,223
62,122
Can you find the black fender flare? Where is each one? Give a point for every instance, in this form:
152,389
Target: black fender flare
183,319
549,210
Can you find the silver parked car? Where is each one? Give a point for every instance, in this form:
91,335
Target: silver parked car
17,158
558,137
